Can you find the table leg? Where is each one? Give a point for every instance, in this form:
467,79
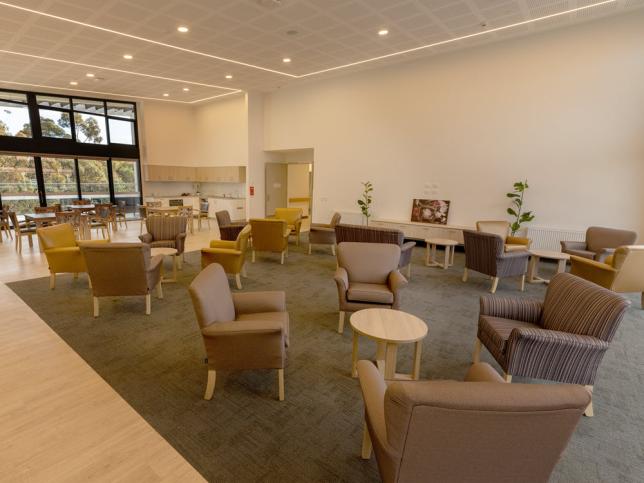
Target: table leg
417,353
561,266
174,267
390,361
354,355
427,255
381,351
446,262
532,268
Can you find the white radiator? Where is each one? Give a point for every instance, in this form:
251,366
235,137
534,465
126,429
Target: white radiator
351,217
548,238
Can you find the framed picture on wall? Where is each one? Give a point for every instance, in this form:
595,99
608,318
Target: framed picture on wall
430,211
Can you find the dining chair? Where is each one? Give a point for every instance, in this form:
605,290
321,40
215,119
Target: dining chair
20,230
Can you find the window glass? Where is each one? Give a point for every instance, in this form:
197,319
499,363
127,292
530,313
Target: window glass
14,120
13,96
55,124
91,107
60,180
90,128
93,180
121,132
18,184
121,109
52,101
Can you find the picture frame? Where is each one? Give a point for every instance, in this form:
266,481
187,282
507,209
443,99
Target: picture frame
430,211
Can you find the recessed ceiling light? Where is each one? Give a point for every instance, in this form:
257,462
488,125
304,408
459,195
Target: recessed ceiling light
229,76
128,56
89,74
73,83
383,32
165,94
286,60
183,29
186,89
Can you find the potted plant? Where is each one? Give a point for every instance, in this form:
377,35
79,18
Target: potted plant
516,211
364,203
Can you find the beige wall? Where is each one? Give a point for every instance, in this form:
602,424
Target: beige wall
564,109
222,132
168,134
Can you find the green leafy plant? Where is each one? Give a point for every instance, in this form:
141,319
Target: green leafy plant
516,211
365,202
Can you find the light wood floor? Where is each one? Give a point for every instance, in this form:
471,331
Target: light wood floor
59,421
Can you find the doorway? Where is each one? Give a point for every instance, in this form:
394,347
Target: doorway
289,185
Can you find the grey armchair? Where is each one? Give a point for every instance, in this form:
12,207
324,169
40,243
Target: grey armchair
561,339
367,276
600,243
122,269
485,253
324,234
240,330
166,232
228,230
372,234
479,430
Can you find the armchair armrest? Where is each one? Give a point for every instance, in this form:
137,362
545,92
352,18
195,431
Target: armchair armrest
408,245
373,388
518,240
341,278
180,241
221,251
597,272
255,302
241,329
223,244
515,308
155,263
325,228
396,281
61,250
146,238
514,254
482,372
87,243
604,253
572,245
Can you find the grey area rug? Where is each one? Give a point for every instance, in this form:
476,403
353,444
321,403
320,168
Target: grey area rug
244,434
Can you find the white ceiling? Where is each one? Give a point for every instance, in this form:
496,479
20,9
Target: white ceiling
45,44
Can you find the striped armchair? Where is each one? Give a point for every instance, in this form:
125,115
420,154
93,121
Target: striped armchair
561,339
485,253
166,232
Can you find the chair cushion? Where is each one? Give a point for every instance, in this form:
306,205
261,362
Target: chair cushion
494,332
515,248
370,292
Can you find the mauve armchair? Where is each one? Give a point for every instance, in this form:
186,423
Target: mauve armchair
563,338
479,430
485,253
367,276
228,230
323,233
241,330
600,243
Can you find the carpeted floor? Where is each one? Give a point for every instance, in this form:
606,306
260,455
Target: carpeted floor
244,434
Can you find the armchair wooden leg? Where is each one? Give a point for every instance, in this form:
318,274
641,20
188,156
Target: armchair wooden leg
159,290
589,409
309,248
408,272
253,257
52,281
238,281
341,322
507,377
465,274
495,284
95,306
333,253
282,260
280,383
89,282
210,385
366,444
522,283
148,304
476,354
354,355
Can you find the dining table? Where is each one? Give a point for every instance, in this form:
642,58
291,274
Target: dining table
82,208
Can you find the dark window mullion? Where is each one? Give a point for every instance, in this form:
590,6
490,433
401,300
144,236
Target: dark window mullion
40,181
34,116
78,181
72,124
110,179
107,125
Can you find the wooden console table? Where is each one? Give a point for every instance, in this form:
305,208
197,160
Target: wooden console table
423,231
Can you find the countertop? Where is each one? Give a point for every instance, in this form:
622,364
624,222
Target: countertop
199,196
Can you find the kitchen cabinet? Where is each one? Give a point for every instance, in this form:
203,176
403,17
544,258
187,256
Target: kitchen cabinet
208,174
235,207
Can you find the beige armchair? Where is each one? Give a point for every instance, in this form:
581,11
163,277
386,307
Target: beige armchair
621,272
479,430
600,243
241,330
367,276
231,255
269,235
293,218
324,234
502,228
122,269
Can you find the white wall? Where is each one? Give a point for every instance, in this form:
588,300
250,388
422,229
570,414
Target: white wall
168,133
564,109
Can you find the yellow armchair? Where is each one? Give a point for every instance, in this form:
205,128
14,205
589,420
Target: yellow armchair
269,235
231,255
62,251
293,218
502,228
622,272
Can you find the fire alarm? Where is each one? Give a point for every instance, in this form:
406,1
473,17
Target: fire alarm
252,190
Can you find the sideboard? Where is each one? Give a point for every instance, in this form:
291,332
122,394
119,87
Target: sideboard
423,231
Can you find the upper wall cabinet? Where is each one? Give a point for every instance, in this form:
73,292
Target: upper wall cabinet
215,174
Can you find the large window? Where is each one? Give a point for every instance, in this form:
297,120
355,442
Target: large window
86,148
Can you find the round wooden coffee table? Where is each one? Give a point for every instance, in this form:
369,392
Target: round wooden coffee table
388,328
430,258
537,254
167,252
